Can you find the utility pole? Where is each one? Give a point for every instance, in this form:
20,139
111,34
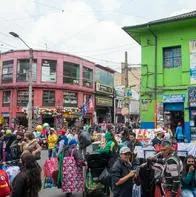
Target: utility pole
126,84
126,71
30,90
30,80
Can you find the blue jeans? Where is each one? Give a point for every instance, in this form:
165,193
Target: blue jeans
51,153
188,193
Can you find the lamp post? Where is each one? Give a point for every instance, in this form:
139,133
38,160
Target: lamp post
29,112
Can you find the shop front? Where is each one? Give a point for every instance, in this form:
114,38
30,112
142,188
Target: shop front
59,116
104,103
104,109
173,106
192,112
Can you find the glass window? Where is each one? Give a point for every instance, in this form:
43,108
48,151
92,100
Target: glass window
23,98
87,77
104,77
23,70
49,70
70,99
48,98
6,97
172,57
7,71
71,73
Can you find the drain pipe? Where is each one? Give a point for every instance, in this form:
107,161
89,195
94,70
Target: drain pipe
155,77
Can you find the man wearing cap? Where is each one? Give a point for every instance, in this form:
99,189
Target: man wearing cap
122,174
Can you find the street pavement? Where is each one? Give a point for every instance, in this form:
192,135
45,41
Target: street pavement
52,192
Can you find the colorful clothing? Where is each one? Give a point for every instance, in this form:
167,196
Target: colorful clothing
52,140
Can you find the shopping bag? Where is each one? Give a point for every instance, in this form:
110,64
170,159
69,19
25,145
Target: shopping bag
50,166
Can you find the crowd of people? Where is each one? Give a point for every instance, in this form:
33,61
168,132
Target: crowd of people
164,174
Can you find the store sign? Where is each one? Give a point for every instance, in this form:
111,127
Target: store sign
128,92
104,89
192,96
120,91
70,99
192,47
104,101
176,98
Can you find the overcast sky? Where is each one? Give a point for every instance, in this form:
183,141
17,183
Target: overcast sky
87,28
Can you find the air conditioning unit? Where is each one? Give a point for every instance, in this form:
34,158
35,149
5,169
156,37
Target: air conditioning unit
76,81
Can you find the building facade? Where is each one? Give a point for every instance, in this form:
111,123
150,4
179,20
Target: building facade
104,98
62,84
127,99
168,72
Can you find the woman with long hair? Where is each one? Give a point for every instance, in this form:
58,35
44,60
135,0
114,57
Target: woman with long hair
189,177
28,182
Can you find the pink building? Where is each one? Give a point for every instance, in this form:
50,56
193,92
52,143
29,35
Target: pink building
62,83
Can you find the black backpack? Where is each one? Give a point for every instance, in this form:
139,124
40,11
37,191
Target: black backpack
15,151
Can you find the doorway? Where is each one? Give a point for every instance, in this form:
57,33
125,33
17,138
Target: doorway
48,119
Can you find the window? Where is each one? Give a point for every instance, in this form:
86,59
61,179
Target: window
6,98
23,98
104,77
70,99
172,57
23,70
49,70
71,73
7,71
48,98
87,77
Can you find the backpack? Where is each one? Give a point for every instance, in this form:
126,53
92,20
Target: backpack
4,184
15,151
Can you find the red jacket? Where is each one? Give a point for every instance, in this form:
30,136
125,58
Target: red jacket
4,184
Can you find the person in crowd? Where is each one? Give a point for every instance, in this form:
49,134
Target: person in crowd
168,133
15,147
30,144
8,139
124,138
28,182
179,134
188,179
84,140
158,138
111,143
72,182
133,142
52,142
122,174
173,169
63,140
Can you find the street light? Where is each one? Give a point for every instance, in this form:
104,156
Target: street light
30,79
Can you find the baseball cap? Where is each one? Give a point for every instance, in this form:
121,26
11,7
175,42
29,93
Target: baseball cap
125,150
166,143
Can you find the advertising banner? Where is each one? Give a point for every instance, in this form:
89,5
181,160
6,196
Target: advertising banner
192,47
